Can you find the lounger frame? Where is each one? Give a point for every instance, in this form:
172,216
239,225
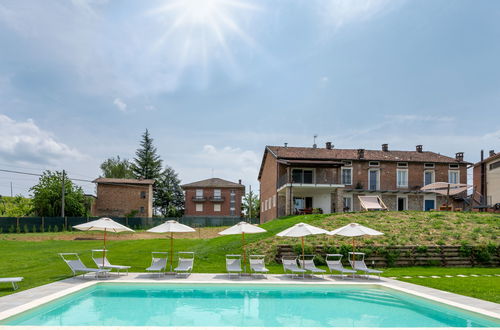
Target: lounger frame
158,263
185,265
257,264
233,264
290,265
77,266
98,261
308,264
358,264
334,263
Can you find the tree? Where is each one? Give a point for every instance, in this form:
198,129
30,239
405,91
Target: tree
251,205
117,168
17,206
47,196
147,164
168,195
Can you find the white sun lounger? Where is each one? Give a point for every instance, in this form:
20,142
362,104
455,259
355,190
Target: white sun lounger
233,264
77,266
257,264
12,280
334,263
359,264
290,265
308,264
97,257
186,262
158,262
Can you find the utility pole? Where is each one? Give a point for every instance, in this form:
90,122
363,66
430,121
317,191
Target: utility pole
11,194
250,202
63,192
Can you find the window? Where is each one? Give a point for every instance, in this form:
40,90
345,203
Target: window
216,207
346,176
142,209
232,212
347,204
262,206
199,192
374,164
232,192
274,201
217,193
402,164
494,165
428,177
428,165
454,176
347,162
302,176
270,201
199,207
373,179
265,205
143,194
402,178
454,166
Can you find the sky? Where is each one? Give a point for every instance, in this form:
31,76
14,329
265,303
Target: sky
215,81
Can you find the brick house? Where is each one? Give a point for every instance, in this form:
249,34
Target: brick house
297,179
486,180
120,197
213,197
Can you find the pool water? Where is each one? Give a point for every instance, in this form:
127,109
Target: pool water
120,304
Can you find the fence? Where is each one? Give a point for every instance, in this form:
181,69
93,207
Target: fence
403,256
56,224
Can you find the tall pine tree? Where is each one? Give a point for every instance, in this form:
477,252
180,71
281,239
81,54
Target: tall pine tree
147,163
168,195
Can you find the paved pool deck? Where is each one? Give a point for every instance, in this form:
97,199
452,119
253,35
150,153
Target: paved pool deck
24,300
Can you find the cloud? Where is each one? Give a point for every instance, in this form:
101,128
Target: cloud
421,118
122,106
25,142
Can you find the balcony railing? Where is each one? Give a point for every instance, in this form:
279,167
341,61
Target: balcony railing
199,198
217,199
282,180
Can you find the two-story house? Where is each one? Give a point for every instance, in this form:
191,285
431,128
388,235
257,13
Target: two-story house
486,181
298,179
213,198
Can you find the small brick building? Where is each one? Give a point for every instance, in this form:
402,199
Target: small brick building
214,198
121,197
487,182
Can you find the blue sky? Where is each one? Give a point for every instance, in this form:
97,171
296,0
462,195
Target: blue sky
216,80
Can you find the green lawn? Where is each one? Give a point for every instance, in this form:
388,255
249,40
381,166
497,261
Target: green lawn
38,262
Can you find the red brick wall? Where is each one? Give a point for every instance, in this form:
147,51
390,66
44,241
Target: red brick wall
119,200
268,183
208,206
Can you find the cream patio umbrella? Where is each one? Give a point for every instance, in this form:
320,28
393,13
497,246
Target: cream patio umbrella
171,226
103,224
301,230
354,230
242,228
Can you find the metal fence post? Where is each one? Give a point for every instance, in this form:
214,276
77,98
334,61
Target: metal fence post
65,223
18,230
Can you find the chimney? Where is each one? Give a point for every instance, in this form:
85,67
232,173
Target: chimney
492,153
329,145
385,147
315,146
239,181
419,148
459,156
361,153
286,144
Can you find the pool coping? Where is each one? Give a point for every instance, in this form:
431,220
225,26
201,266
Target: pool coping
46,293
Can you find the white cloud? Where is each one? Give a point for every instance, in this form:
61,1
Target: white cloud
25,143
122,106
416,118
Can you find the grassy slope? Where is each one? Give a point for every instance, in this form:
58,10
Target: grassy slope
39,263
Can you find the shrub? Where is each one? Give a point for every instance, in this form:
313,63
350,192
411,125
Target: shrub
56,228
12,229
25,228
33,229
49,228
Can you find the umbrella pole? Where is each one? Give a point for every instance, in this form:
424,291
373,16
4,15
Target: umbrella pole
244,252
303,253
171,249
448,197
104,250
353,250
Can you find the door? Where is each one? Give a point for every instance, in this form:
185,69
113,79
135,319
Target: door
429,204
309,202
401,204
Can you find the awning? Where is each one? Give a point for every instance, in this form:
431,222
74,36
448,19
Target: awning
445,188
372,203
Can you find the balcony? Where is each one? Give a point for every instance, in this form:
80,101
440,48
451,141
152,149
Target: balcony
315,181
199,199
217,199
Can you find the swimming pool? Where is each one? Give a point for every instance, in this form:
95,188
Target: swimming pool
218,305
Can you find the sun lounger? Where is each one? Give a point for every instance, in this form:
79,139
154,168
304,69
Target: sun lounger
357,261
334,263
257,264
186,262
233,264
290,265
77,266
97,257
158,262
308,264
12,280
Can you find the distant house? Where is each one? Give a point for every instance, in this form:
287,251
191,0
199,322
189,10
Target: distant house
213,197
303,180
486,181
121,197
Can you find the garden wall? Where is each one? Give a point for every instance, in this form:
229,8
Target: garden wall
402,256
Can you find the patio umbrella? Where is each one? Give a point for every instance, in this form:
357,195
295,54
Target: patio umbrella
103,224
353,230
301,230
242,228
445,188
171,226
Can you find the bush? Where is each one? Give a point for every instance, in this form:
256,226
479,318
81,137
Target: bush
25,228
33,229
56,228
12,229
49,228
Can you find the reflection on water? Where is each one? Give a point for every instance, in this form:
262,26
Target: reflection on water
243,305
